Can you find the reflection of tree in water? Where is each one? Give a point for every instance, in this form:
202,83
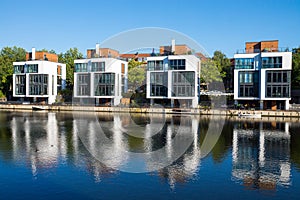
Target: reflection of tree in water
223,145
5,137
295,144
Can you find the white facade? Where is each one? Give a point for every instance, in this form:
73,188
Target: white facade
38,80
100,80
174,77
263,77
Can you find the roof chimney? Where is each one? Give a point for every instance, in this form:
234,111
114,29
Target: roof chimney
98,50
173,46
33,53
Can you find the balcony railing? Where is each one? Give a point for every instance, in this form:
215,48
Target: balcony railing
280,49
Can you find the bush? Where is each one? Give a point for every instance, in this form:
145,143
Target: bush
1,94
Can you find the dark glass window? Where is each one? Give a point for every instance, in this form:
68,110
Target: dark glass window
272,62
20,86
183,84
248,84
155,65
279,84
104,84
38,84
177,64
244,63
98,66
81,67
18,69
159,84
83,84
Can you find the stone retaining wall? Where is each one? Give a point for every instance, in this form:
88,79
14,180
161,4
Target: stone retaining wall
224,112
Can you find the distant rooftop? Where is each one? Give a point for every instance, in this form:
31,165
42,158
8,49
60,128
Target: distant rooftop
262,46
41,55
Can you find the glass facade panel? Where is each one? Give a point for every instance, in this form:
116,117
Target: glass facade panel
244,63
18,69
31,68
155,65
159,84
183,84
248,84
278,84
38,84
27,68
20,85
272,62
104,84
98,66
178,64
81,67
83,84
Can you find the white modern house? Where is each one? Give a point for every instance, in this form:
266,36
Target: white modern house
173,80
39,78
262,77
100,81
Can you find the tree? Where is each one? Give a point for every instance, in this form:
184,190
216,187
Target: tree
296,68
215,70
224,66
8,55
133,63
136,74
68,58
222,62
210,72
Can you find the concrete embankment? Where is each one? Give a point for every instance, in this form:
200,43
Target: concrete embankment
223,112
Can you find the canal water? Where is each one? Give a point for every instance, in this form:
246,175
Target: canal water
137,156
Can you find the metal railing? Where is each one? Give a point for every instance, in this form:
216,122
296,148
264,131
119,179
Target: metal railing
279,49
295,107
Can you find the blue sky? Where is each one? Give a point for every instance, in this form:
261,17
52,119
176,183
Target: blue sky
215,24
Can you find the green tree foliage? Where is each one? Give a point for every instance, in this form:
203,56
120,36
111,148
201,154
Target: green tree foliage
215,70
136,74
68,58
48,51
133,64
222,62
224,66
210,73
8,55
296,68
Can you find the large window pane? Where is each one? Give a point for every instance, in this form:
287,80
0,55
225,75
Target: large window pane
177,64
272,62
244,63
158,84
38,84
183,84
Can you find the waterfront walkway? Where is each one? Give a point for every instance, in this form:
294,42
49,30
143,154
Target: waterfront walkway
223,112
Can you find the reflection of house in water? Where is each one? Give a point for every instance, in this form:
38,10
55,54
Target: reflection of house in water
44,141
187,165
128,136
40,140
261,154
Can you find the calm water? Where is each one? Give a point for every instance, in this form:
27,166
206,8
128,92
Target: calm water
57,156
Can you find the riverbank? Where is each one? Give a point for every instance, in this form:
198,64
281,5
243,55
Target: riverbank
222,112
